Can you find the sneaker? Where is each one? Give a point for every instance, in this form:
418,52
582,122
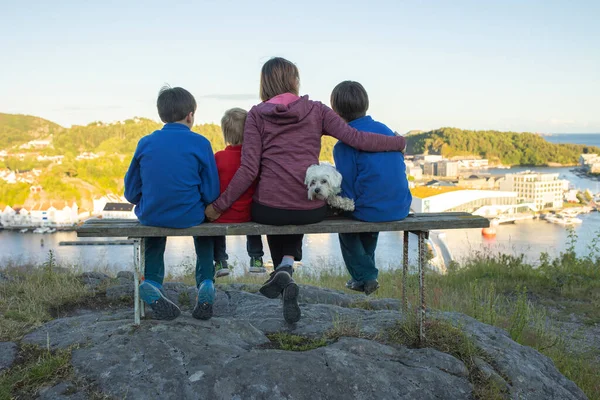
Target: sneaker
162,307
221,269
371,286
206,298
355,285
257,266
291,309
277,282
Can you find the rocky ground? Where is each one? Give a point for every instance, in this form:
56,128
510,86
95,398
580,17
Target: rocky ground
231,356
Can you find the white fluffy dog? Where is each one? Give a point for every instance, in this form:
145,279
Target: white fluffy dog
324,182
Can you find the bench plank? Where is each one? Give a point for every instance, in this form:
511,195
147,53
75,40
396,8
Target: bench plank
414,222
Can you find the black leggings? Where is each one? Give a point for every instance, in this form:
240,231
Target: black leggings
282,245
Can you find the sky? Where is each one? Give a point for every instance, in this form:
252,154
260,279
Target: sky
507,65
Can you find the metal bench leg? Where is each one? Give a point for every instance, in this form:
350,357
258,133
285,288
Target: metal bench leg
142,271
405,272
422,261
136,281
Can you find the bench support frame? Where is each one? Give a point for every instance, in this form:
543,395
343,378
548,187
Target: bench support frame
139,264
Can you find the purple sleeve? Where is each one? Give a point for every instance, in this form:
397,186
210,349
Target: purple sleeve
248,171
334,125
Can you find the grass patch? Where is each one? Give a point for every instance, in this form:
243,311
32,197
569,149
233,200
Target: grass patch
33,296
445,337
36,368
289,342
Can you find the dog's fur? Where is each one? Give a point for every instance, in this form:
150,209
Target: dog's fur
324,182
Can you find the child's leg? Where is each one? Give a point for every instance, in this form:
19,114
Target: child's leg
205,273
254,246
155,263
220,246
205,252
220,256
369,244
352,252
154,273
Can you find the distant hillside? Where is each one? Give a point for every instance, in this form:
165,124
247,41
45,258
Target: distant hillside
17,129
80,180
508,148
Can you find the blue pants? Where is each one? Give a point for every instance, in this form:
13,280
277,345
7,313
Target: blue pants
254,247
155,261
358,250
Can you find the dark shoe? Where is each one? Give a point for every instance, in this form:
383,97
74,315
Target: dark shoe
206,298
162,307
371,286
278,280
221,269
257,266
355,285
291,309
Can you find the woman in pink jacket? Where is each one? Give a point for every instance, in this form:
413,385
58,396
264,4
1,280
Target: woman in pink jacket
282,138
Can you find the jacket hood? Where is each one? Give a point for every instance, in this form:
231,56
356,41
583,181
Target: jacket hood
286,114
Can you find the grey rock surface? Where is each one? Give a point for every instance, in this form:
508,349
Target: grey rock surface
230,356
8,354
529,373
62,391
94,279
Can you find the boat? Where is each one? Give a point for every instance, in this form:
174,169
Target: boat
44,229
23,230
563,219
489,233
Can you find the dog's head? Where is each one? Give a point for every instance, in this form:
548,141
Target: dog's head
322,181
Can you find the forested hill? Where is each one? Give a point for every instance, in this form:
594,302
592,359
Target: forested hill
17,129
104,138
508,148
64,169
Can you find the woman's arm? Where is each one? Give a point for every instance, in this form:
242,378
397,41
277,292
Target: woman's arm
248,171
334,125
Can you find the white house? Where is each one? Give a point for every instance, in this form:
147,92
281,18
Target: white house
118,211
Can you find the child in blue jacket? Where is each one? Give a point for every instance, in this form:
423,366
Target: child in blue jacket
171,179
376,181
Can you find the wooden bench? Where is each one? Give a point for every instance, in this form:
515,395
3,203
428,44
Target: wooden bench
418,224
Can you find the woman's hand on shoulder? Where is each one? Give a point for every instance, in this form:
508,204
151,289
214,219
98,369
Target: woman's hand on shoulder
211,213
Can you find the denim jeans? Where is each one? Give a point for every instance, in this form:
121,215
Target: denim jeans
358,250
155,262
254,247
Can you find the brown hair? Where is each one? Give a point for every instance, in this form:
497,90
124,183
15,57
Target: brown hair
278,76
232,125
350,100
174,104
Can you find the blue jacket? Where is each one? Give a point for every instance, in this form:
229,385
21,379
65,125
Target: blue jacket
172,177
376,181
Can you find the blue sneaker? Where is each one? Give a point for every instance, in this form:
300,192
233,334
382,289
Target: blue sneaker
162,307
206,298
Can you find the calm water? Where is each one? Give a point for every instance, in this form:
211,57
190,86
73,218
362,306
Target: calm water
322,251
590,139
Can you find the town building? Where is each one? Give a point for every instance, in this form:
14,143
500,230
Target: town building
443,168
543,190
488,203
415,172
428,158
118,211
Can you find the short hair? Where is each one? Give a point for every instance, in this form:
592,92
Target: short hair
232,125
350,100
278,76
174,104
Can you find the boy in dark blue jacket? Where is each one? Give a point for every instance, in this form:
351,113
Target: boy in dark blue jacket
171,179
376,181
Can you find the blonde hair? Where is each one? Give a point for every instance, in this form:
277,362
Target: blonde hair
232,125
278,76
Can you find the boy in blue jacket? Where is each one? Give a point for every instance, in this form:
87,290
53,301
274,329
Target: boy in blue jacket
376,181
171,179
